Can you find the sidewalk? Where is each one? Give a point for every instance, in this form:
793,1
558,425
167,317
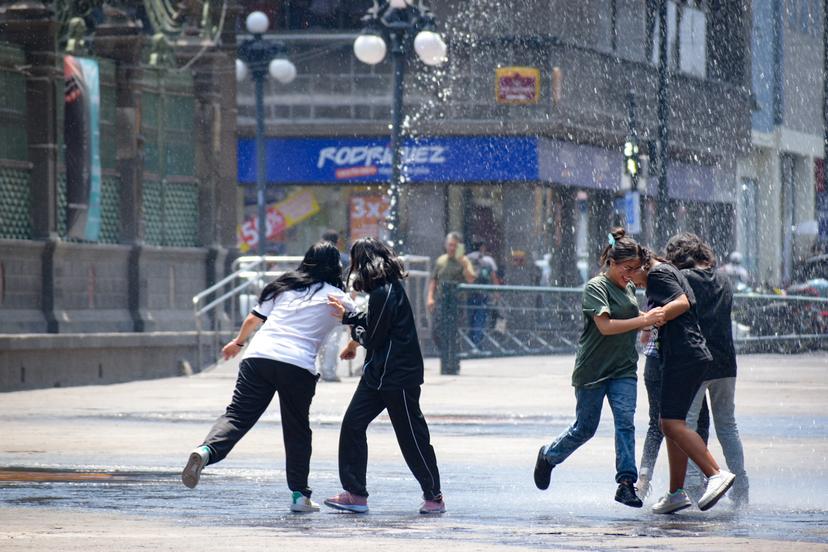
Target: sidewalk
487,424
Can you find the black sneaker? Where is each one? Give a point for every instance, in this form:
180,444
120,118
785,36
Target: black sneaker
626,494
543,471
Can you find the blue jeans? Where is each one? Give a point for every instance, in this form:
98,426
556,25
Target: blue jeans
478,309
621,394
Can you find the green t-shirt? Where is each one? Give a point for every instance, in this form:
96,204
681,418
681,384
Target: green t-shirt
447,269
601,357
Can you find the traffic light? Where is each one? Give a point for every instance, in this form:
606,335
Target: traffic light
632,163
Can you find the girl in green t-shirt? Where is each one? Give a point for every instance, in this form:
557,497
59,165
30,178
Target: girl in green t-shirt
606,365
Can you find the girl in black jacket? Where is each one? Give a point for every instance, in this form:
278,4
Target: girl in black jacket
391,379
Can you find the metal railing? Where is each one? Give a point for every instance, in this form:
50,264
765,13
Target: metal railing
220,309
481,321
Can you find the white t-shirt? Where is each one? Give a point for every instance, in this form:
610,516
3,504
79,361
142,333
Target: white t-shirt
296,324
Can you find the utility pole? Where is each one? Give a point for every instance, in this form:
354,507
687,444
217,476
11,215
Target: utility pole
662,224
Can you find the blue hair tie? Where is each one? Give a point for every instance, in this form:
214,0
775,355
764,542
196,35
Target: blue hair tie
611,240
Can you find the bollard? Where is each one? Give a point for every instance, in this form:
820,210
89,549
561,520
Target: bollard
449,318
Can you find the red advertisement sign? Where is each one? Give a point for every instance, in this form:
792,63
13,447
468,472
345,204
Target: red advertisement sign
368,216
517,85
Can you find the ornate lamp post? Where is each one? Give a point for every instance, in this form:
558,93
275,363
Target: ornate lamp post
260,57
405,24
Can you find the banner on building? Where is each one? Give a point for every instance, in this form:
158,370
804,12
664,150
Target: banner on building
363,160
368,216
297,207
81,136
517,85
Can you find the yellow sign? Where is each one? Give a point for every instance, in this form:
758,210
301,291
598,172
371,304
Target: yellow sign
295,208
517,85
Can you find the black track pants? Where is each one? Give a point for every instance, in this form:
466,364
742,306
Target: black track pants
412,435
259,379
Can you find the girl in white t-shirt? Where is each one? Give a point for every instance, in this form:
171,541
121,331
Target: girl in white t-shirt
295,319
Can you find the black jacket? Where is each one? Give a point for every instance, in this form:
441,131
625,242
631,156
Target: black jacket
393,359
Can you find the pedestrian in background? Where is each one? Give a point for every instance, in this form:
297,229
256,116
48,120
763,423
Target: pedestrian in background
714,296
606,365
451,267
295,318
391,379
485,267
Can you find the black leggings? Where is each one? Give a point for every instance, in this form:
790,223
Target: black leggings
259,379
412,435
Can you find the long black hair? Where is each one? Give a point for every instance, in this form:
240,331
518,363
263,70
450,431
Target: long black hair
320,266
374,264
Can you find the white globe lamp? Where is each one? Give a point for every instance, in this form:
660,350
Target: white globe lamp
430,47
257,23
282,70
370,48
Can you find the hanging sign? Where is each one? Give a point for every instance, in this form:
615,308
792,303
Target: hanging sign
296,208
517,85
368,215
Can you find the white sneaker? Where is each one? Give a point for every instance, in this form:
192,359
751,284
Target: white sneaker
717,486
301,503
671,503
192,471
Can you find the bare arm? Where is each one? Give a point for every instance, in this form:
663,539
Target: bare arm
248,327
676,308
468,271
432,289
610,326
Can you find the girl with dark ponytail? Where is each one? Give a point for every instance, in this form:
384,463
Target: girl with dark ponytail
606,365
295,318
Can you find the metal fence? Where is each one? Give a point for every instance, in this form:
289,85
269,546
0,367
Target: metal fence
220,309
480,321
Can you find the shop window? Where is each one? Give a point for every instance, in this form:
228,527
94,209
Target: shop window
686,37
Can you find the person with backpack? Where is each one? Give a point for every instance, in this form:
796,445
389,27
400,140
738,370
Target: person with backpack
295,319
391,379
478,302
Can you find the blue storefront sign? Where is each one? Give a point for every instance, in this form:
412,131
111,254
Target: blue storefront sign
462,159
364,160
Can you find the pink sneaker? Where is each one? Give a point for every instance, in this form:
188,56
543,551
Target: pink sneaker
433,507
348,502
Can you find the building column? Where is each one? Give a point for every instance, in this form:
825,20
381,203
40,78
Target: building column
564,262
121,38
769,201
33,26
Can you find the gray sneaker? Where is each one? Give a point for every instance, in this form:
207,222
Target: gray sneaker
192,471
671,503
717,486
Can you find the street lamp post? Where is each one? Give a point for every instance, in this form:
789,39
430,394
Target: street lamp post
404,24
260,57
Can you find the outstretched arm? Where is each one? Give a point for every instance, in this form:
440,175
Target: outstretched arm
248,328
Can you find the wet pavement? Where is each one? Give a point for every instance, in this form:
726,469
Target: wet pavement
78,463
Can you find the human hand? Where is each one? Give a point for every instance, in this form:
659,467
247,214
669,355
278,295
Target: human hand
230,350
337,308
655,317
349,352
430,304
